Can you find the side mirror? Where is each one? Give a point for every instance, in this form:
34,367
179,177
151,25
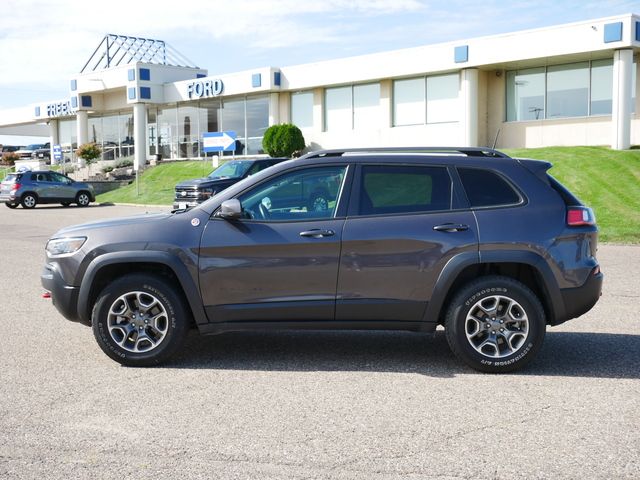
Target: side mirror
230,209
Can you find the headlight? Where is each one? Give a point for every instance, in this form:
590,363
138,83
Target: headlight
64,246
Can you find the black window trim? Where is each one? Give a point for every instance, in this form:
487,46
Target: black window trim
523,200
354,204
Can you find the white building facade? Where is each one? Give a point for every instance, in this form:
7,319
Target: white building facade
571,84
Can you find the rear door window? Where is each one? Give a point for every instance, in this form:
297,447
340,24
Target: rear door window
485,188
394,189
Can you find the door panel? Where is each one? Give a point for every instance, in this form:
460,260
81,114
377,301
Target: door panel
389,265
252,271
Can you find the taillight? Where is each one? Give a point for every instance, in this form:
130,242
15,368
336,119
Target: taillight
578,216
16,186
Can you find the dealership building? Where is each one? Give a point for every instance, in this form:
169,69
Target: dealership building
572,84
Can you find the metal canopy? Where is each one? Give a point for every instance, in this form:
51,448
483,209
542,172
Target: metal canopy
116,50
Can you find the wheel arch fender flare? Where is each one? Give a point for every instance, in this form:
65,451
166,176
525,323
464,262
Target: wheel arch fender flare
178,268
457,264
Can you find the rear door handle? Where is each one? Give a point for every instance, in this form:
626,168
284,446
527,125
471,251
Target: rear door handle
317,233
451,227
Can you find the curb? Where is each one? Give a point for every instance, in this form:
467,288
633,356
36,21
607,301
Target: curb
112,204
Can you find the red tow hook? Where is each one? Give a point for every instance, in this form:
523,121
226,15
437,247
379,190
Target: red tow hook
46,295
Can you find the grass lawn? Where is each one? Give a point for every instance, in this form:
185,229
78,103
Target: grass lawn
157,184
606,180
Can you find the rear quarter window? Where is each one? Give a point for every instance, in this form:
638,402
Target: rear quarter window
485,188
391,189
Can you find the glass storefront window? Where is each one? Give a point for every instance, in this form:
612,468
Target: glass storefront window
409,102
338,109
188,131
525,94
568,90
233,119
366,106
257,123
168,132
442,98
302,109
601,87
68,135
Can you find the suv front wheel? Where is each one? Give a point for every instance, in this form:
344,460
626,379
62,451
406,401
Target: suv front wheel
139,320
495,324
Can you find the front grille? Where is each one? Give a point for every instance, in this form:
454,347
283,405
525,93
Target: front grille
186,194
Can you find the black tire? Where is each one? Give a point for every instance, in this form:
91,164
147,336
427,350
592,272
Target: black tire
83,199
487,349
11,205
174,320
65,204
318,201
29,200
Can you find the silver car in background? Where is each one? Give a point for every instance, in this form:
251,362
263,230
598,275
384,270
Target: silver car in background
32,187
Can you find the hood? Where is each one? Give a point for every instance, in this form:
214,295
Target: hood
196,182
114,222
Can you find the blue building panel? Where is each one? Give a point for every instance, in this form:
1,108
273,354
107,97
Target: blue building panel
461,54
74,102
256,80
131,74
131,93
74,85
37,111
145,93
277,79
85,101
145,74
613,32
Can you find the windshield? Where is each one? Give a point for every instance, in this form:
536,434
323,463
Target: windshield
232,169
35,146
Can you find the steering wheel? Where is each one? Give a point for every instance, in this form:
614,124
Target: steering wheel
264,211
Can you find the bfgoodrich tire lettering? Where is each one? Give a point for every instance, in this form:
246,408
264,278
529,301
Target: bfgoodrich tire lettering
139,321
495,324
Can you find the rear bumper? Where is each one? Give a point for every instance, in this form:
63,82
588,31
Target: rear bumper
64,297
578,301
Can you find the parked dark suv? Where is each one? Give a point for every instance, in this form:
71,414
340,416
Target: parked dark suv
190,193
491,247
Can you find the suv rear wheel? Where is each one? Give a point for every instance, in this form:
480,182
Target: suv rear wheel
11,205
29,200
139,320
495,324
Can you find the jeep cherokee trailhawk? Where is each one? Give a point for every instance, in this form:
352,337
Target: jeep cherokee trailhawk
492,248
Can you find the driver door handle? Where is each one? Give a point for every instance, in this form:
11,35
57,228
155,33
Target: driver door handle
317,233
451,227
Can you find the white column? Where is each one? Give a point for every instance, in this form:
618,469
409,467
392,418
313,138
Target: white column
54,139
274,109
621,108
82,130
140,135
386,104
469,98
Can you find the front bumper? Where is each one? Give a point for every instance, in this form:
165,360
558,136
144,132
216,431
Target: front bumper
578,301
64,297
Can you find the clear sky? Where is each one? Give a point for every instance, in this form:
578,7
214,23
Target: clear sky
45,43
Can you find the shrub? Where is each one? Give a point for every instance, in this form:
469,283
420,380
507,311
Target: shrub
89,152
124,163
107,169
9,158
284,140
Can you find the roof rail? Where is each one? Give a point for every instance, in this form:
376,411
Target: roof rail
468,151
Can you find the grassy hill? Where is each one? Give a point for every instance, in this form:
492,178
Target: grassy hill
606,180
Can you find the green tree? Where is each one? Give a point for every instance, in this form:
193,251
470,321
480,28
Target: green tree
284,140
89,152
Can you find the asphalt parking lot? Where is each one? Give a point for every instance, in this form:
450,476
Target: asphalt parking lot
365,405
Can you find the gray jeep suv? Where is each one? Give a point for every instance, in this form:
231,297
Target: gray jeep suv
491,247
29,188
